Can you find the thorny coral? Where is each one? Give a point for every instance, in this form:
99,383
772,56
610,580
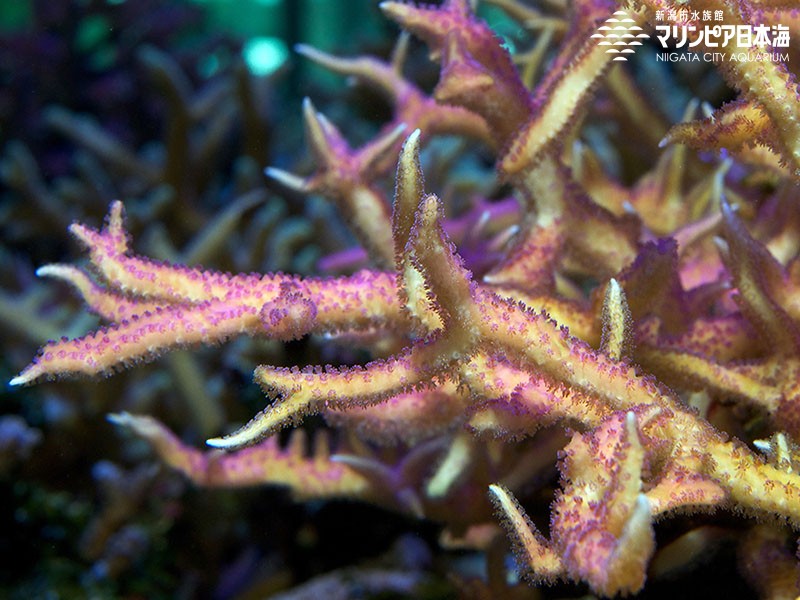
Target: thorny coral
648,320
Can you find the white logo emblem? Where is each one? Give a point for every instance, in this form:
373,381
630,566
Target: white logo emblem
619,33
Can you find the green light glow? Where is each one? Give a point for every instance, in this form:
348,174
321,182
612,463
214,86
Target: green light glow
265,55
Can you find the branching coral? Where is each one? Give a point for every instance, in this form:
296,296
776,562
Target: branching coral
605,296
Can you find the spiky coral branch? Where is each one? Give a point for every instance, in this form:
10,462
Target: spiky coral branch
519,350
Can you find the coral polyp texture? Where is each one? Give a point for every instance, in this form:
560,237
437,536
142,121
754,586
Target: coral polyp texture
633,319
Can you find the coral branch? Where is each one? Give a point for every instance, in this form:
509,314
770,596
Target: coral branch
637,309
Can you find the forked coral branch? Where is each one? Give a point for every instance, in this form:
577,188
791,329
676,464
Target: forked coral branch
618,329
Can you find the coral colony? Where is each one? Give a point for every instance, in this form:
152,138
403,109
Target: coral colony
635,326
